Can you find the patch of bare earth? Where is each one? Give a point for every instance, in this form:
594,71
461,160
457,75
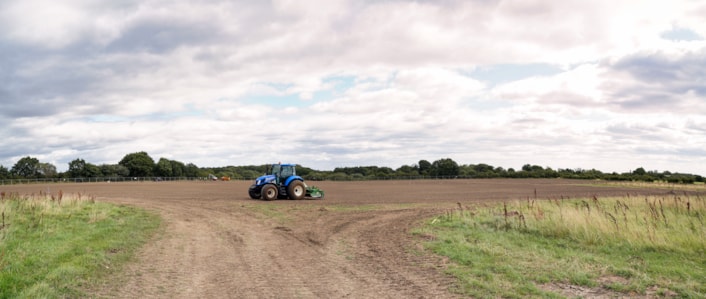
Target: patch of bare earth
603,291
218,243
230,251
599,292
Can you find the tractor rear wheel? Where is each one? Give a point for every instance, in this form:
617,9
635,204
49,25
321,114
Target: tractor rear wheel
296,190
269,192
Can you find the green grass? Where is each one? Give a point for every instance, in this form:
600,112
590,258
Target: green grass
56,246
624,246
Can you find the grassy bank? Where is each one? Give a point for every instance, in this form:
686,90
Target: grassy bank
582,247
55,245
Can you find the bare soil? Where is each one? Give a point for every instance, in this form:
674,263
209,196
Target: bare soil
216,242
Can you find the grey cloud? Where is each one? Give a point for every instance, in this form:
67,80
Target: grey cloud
661,81
16,143
49,96
642,150
37,81
568,98
700,128
641,99
626,130
692,152
41,83
625,133
160,37
681,73
521,136
528,121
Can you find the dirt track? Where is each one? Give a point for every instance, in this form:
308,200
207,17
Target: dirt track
218,243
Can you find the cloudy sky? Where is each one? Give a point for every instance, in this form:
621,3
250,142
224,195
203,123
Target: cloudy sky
611,85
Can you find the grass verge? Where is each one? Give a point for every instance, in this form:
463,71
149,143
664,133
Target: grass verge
55,246
646,246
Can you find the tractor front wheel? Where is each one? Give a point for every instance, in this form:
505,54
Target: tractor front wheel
253,193
269,192
296,190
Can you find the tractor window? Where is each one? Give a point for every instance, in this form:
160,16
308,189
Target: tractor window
287,171
275,169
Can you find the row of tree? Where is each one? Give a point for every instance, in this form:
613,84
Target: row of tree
140,164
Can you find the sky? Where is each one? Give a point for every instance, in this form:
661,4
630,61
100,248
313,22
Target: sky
606,85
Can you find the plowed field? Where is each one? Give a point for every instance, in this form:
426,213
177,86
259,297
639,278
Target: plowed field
355,243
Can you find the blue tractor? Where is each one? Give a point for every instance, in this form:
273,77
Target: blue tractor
283,182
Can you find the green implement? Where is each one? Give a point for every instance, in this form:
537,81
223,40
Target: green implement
314,192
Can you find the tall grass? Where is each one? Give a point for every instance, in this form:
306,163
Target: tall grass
54,245
674,223
628,245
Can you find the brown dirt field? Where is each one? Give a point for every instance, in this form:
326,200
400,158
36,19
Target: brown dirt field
218,243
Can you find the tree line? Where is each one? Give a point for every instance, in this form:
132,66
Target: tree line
140,164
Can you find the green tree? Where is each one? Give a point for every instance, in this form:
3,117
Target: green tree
192,171
47,170
639,171
424,167
483,170
163,168
383,172
407,171
252,174
467,171
93,171
4,172
114,170
139,164
444,167
77,168
178,168
26,167
303,171
534,171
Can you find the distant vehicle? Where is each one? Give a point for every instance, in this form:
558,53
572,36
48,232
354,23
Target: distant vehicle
283,182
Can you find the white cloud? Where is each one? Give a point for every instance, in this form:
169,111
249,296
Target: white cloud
46,24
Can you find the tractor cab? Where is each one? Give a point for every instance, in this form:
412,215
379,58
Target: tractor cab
282,172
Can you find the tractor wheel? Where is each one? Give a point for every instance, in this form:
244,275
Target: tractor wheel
254,195
296,190
269,192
